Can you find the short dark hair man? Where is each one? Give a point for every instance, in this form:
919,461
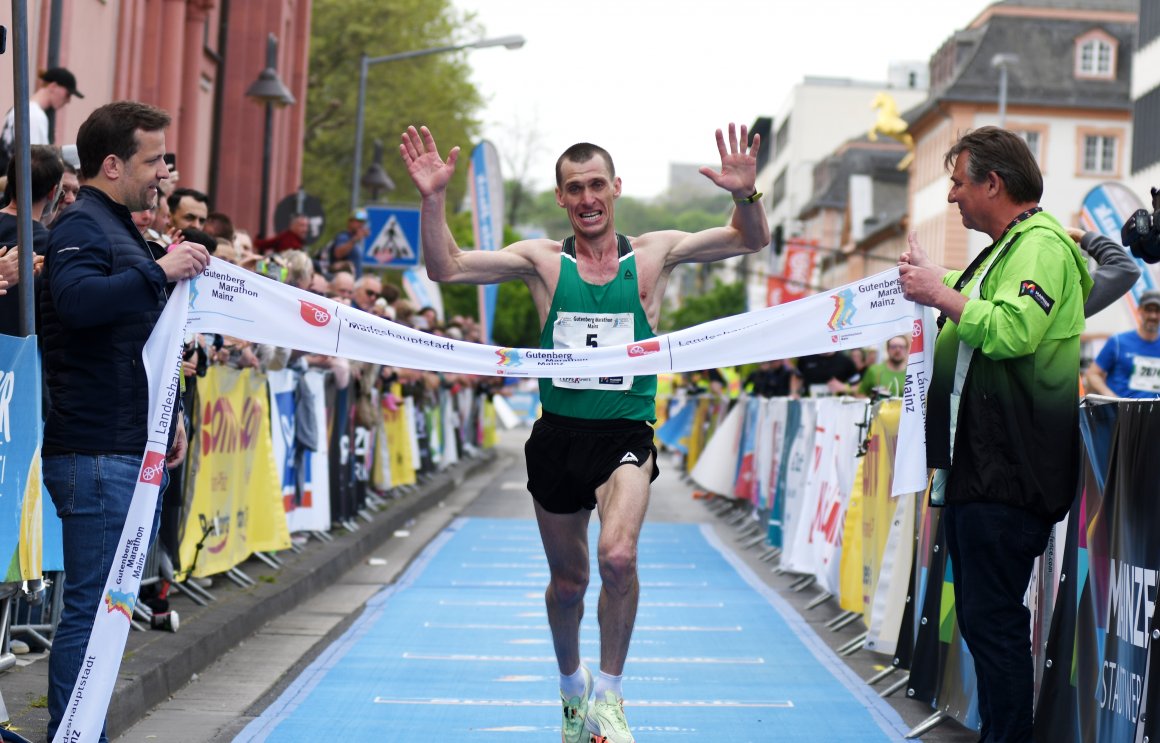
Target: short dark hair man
1009,355
188,207
887,378
1129,363
103,291
593,446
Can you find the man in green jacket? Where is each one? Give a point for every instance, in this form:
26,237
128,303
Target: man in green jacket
1002,412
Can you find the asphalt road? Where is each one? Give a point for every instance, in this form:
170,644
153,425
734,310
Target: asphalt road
221,700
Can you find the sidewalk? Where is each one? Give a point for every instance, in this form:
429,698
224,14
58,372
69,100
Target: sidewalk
157,663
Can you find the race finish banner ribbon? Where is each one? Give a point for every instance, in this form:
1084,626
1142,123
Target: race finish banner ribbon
85,715
232,301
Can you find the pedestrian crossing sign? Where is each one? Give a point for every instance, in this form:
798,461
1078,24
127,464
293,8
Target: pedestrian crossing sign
393,241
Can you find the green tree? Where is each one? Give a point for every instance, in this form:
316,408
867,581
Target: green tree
435,90
722,300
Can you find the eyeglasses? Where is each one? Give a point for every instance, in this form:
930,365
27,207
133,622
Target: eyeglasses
370,293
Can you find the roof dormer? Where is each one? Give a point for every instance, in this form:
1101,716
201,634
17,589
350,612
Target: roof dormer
1095,55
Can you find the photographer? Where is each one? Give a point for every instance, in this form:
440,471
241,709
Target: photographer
1115,271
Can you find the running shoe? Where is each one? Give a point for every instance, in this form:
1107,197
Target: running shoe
575,710
605,721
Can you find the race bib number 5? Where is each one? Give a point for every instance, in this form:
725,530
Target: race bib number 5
592,330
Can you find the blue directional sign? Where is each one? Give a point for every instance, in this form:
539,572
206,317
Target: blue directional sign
393,241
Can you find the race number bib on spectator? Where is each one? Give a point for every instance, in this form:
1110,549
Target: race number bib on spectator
593,330
1145,374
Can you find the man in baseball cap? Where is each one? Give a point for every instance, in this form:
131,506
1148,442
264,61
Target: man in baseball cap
347,245
1129,363
58,86
63,78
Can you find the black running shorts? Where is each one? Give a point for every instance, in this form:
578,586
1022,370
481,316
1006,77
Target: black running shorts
568,458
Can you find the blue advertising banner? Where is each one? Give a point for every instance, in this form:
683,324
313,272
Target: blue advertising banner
393,241
486,183
24,504
1105,209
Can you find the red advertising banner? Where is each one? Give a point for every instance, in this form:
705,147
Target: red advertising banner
797,273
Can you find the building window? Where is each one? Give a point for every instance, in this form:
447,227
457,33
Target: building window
1095,56
1099,154
1032,140
781,139
778,189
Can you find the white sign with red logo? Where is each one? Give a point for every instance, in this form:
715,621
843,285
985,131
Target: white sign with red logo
85,714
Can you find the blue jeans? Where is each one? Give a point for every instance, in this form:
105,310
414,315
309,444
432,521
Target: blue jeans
92,494
992,548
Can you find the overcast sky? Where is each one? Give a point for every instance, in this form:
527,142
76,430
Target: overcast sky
651,80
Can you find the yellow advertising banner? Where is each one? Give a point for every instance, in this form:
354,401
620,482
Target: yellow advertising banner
878,507
399,441
489,423
235,506
850,576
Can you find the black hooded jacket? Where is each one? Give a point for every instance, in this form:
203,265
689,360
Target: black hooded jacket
102,293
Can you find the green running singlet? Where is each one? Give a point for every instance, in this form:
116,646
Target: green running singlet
584,314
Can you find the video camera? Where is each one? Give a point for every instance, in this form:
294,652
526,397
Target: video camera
1141,232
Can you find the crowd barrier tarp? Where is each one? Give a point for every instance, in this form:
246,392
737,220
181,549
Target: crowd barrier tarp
876,510
942,671
304,473
399,423
791,424
746,484
316,478
1104,648
1063,714
343,443
449,418
234,506
716,467
886,607
21,507
675,432
1148,726
851,574
490,421
888,533
768,443
233,301
792,491
830,483
697,433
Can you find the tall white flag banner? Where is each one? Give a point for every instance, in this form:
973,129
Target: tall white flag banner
85,715
232,301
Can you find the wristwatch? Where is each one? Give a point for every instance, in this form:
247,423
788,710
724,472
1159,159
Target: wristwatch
748,199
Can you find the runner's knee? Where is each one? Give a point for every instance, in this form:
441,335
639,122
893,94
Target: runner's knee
567,590
618,564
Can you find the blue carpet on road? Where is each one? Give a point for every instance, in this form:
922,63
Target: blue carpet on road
459,649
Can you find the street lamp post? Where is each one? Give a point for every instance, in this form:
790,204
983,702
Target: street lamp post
509,42
1003,62
268,89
